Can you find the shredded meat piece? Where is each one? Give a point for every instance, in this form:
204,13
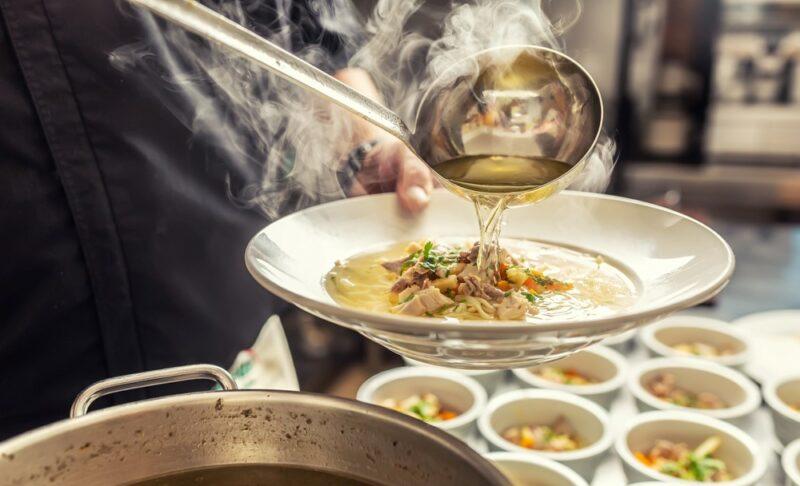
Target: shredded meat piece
472,285
513,307
433,299
416,275
562,426
669,450
413,307
469,256
466,271
490,292
663,384
425,300
395,265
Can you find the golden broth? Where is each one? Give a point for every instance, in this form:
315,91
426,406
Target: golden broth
599,288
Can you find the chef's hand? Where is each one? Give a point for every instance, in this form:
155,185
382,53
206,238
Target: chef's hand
389,165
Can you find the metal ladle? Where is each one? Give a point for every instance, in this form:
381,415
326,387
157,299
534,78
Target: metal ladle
550,105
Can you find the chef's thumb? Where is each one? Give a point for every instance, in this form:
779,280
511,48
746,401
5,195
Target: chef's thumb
414,185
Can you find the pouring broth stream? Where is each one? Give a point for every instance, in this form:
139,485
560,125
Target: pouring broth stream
521,280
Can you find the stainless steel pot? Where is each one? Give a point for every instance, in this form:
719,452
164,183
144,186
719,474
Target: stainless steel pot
132,442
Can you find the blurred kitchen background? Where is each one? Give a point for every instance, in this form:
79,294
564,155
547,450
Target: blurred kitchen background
703,99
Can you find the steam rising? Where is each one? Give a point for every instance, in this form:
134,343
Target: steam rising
282,146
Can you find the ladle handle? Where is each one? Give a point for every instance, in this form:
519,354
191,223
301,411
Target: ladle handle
214,27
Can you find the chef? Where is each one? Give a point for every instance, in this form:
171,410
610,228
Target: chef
112,262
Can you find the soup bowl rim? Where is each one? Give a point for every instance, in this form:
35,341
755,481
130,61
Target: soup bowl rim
404,323
752,476
537,460
752,398
770,391
602,444
616,381
650,340
367,390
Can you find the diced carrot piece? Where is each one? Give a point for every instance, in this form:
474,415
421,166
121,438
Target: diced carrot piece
503,267
643,459
447,415
531,285
503,285
527,442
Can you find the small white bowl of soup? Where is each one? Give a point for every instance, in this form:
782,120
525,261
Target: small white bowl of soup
676,482
694,386
697,337
649,443
790,461
554,424
489,379
782,395
597,373
524,469
442,398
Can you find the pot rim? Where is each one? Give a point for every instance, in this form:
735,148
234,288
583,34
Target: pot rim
28,439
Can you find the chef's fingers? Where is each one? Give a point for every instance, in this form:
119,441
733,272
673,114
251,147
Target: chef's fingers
414,182
356,189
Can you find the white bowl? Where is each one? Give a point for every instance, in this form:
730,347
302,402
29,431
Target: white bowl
456,392
772,338
622,342
696,376
601,363
739,451
657,483
524,469
674,262
659,338
790,461
489,379
779,393
520,407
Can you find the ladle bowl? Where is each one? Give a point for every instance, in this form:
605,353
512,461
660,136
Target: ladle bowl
514,100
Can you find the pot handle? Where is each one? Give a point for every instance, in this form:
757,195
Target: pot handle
149,378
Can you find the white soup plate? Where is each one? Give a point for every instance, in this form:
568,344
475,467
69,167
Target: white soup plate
674,261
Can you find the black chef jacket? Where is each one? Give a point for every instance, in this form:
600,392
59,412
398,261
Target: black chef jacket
111,261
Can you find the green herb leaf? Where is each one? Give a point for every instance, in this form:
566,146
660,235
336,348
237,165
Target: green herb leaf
426,250
532,298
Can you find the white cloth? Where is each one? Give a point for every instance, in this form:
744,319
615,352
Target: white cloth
268,363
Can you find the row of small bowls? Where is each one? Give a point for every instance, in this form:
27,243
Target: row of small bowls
584,405
778,391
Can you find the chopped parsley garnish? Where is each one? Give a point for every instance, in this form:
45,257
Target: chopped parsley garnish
431,259
426,250
532,298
